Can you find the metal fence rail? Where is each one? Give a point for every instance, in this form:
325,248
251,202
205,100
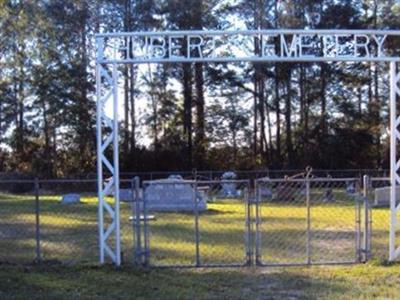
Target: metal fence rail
263,222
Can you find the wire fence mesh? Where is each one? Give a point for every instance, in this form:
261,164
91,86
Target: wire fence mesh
17,221
224,227
196,223
171,235
180,222
281,216
377,191
68,221
308,221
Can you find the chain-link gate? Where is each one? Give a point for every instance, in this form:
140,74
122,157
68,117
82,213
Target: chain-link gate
309,221
377,192
184,223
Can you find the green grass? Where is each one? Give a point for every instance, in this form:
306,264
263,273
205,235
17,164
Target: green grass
69,235
370,281
69,232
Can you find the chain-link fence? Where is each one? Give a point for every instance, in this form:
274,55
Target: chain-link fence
254,174
68,220
18,221
177,222
52,220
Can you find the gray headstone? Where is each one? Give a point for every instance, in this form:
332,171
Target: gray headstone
125,195
173,195
71,199
175,177
328,195
265,192
350,188
229,189
382,196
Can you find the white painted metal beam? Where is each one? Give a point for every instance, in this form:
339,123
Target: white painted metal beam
394,245
249,32
107,93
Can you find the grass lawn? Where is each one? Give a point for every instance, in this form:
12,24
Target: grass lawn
369,281
69,232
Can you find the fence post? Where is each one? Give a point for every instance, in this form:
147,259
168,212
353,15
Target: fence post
196,224
308,249
135,185
37,221
146,230
257,222
367,229
358,257
248,225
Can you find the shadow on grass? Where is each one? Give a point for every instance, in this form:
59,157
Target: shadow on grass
60,282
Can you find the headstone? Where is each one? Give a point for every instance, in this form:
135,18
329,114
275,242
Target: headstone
125,195
303,189
350,188
382,196
265,192
228,188
173,194
328,195
71,199
286,191
176,177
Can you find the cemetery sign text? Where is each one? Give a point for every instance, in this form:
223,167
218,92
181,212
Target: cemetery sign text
255,45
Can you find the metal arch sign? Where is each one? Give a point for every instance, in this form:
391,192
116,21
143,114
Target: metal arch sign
229,46
249,45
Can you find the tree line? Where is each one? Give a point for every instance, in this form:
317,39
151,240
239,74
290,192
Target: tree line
185,116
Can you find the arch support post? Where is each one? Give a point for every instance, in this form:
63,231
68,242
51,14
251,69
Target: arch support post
394,240
108,163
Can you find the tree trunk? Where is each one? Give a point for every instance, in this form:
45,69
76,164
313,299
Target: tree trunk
303,140
85,135
288,116
255,117
323,101
200,131
278,118
126,135
187,109
20,115
127,81
133,108
270,145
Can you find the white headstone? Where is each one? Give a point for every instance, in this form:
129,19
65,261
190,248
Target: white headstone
71,199
125,195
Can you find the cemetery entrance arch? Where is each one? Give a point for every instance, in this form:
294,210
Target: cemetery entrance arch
113,49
